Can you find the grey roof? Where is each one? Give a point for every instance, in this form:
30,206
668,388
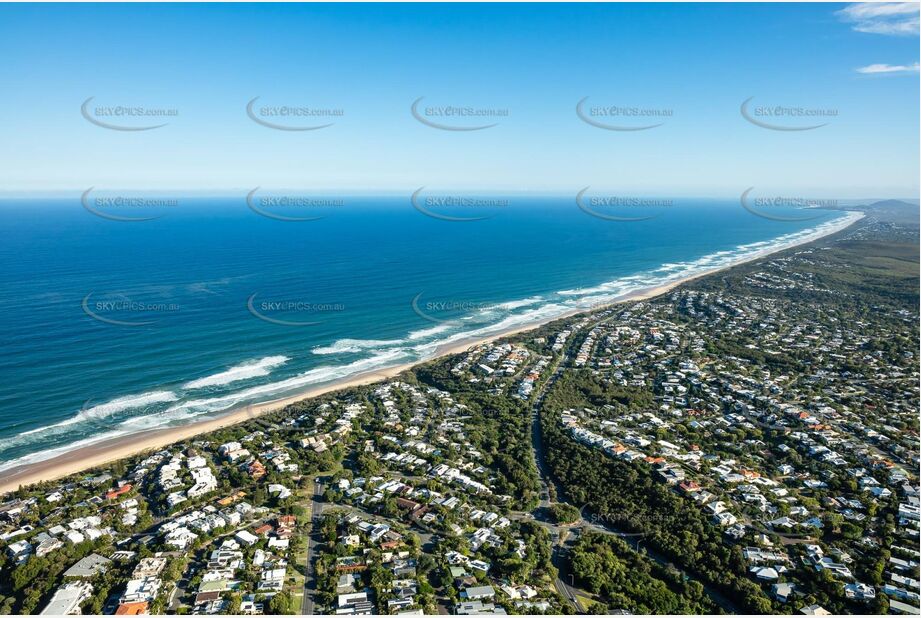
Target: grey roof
905,608
478,608
478,592
66,599
88,567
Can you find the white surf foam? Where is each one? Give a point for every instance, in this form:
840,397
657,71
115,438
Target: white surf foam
524,302
53,452
428,332
317,376
244,371
343,346
537,314
95,413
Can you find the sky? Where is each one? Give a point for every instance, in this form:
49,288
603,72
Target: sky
686,67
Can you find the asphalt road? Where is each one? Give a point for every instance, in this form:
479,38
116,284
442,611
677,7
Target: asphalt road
540,514
308,602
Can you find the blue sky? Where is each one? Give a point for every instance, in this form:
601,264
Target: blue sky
699,61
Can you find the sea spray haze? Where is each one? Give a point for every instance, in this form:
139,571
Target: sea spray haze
166,311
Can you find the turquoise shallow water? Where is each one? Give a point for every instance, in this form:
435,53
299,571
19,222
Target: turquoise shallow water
112,327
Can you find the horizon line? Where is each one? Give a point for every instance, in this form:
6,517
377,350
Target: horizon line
554,193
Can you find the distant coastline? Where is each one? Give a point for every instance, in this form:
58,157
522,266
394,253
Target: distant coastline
107,451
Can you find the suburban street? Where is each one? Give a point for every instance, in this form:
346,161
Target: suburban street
308,602
541,513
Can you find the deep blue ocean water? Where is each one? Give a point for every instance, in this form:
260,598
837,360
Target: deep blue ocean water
111,327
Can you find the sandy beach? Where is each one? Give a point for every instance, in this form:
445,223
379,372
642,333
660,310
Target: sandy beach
110,450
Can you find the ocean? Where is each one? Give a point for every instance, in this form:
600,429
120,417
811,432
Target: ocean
199,305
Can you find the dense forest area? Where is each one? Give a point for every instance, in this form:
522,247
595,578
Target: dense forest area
607,566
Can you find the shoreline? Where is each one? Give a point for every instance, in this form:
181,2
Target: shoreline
107,451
